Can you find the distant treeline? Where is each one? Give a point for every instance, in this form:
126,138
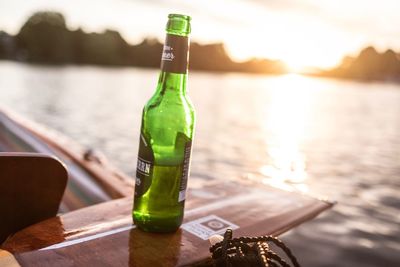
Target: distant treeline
46,39
368,65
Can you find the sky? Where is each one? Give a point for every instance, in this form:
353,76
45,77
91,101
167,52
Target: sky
302,33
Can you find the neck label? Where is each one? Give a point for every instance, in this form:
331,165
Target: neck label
175,54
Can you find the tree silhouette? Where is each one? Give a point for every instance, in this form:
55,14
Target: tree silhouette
44,38
369,65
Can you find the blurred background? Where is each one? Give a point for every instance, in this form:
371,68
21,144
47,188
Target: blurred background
301,95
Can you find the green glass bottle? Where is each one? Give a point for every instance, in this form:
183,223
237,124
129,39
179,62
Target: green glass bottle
166,138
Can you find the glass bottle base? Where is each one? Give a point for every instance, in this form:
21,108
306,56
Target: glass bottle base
157,225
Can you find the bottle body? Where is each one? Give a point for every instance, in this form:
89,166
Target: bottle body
166,136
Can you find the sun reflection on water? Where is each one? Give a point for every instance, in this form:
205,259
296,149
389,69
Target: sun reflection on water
286,120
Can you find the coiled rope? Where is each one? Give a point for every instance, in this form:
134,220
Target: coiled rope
250,252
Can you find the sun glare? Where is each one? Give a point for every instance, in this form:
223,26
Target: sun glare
287,117
298,42
296,65
305,61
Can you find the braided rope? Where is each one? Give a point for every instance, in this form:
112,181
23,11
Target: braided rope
250,252
275,257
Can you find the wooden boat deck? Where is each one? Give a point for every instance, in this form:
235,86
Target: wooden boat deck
103,234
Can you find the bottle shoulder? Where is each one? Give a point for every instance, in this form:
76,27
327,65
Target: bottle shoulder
164,121
175,113
164,105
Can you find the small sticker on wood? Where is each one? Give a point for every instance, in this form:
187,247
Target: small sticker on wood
208,226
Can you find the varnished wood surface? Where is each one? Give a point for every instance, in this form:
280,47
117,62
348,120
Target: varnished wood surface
32,186
103,235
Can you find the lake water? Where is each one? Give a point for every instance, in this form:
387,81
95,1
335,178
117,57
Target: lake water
331,138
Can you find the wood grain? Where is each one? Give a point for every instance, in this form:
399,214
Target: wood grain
102,235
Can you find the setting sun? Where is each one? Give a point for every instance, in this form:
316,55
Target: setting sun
298,43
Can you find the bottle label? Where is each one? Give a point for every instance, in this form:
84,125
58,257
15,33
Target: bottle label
185,171
175,54
144,169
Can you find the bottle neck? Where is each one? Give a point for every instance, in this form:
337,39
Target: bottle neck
172,83
174,64
175,54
